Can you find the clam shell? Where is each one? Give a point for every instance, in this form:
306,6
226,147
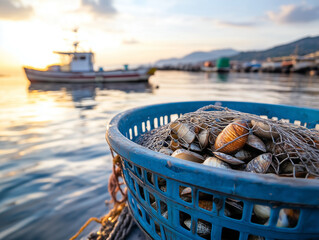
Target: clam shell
232,138
283,220
186,191
195,147
188,155
202,228
256,143
203,138
243,155
166,151
259,164
183,131
262,211
229,159
263,130
288,217
186,194
215,162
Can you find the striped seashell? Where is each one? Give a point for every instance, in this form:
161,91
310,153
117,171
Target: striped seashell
232,138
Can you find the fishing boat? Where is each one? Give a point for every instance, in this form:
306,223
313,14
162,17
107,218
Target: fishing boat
77,67
222,66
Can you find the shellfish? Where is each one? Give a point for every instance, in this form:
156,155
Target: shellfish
202,228
243,155
232,138
203,138
262,211
194,147
259,164
256,143
166,151
215,162
183,131
229,159
288,218
263,130
188,155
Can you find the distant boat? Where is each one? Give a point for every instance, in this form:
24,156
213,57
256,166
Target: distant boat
208,66
272,65
78,68
222,66
302,64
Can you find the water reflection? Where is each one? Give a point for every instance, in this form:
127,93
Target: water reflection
82,93
54,160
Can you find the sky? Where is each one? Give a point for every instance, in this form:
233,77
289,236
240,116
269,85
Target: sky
144,31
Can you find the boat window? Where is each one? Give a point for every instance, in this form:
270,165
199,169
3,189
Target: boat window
82,57
75,58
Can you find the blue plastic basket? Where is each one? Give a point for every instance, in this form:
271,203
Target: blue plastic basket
143,168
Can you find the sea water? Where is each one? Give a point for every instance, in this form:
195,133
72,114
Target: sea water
54,160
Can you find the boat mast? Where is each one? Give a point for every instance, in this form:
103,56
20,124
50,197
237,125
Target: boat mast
76,42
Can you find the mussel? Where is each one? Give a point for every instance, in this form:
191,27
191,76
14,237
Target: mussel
256,143
259,164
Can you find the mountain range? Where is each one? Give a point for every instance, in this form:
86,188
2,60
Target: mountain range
300,47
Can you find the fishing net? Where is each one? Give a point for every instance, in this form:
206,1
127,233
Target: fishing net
229,135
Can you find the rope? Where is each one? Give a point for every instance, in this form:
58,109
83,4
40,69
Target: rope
109,220
122,227
84,226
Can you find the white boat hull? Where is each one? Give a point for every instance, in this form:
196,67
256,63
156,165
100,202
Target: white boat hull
139,75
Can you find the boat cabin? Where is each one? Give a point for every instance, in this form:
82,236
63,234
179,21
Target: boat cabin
76,61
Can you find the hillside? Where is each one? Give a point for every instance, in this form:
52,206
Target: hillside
300,47
199,56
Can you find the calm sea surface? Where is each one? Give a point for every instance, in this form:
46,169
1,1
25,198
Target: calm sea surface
54,160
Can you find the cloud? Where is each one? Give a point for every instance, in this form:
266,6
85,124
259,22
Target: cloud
130,41
99,8
294,14
14,10
235,24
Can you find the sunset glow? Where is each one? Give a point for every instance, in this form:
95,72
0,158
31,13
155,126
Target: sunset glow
142,32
